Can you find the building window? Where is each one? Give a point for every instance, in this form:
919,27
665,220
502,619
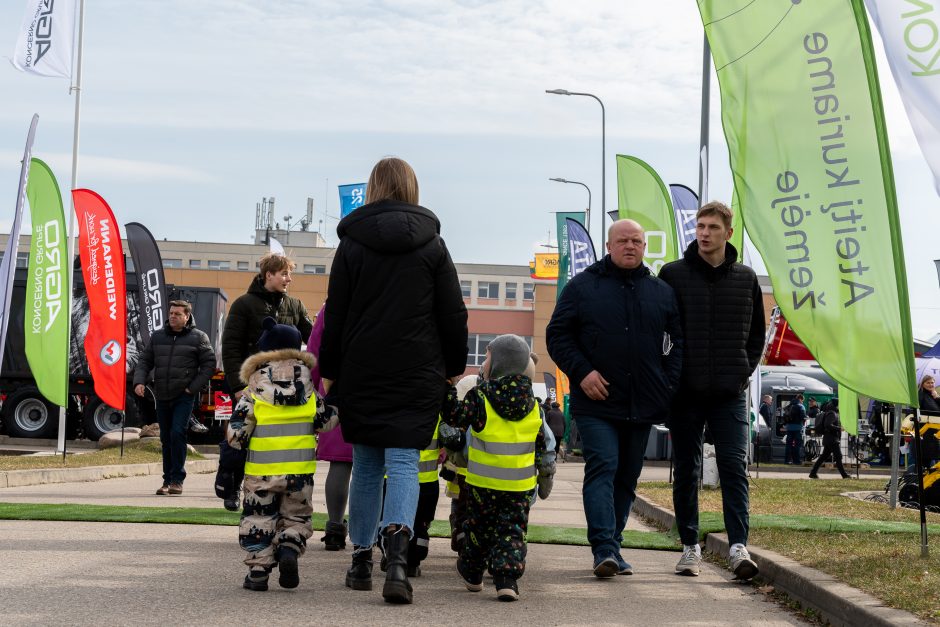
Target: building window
242,265
22,259
465,288
215,264
310,268
511,291
195,264
172,263
528,291
477,343
488,289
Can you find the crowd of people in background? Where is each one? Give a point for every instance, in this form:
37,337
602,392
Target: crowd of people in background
373,385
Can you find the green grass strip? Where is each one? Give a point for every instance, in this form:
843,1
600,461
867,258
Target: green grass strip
538,534
712,522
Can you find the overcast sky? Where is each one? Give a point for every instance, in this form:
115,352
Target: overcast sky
194,111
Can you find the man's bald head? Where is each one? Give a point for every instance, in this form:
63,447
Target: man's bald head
626,243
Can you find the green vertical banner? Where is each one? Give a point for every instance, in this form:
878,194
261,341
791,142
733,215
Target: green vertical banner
564,265
848,409
802,115
642,196
47,317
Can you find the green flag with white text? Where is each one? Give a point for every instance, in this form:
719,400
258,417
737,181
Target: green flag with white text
642,196
561,227
47,316
848,409
802,115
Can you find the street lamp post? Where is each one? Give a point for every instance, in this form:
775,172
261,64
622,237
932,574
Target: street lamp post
587,215
565,92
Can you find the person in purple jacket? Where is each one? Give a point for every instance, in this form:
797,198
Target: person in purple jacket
331,447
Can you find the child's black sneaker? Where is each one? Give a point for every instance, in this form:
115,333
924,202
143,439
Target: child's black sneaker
506,588
473,582
288,577
256,580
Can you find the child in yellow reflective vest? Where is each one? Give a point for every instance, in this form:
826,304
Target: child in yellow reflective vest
276,420
507,459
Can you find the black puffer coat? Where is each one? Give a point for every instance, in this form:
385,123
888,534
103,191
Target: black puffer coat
178,361
722,320
616,321
243,325
396,325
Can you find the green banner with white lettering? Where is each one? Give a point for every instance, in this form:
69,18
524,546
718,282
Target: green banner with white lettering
47,317
564,265
643,197
802,115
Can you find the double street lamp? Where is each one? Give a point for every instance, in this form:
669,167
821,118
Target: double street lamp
565,92
587,215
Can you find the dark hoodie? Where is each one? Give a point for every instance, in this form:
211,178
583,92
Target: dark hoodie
395,325
511,397
243,325
178,360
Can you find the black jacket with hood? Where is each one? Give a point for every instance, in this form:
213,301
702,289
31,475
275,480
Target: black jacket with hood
395,326
243,325
722,321
625,325
178,360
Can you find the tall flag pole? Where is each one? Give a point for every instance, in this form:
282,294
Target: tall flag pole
105,282
8,263
642,196
703,129
802,115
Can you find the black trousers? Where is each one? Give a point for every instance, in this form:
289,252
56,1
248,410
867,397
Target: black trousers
428,494
830,450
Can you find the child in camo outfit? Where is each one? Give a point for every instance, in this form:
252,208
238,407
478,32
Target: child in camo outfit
507,459
275,420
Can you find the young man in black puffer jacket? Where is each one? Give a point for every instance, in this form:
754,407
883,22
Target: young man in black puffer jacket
181,359
723,324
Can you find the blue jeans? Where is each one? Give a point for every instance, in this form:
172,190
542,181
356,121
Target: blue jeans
173,418
613,458
727,422
370,467
794,449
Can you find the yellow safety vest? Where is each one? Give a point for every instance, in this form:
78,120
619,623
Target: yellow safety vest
502,456
283,442
427,459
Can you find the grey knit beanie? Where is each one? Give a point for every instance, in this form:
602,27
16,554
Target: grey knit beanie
509,354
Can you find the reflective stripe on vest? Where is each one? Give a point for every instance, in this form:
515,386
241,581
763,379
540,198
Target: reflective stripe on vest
427,459
283,441
502,456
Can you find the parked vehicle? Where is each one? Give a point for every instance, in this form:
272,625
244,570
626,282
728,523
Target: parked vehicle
26,413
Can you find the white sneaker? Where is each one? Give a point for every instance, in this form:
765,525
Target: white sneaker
742,565
690,562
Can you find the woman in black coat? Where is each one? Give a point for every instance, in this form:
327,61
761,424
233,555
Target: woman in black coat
395,332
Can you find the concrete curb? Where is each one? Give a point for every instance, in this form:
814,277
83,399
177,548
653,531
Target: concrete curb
838,603
19,478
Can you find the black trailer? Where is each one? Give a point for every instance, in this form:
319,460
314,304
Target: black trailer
26,413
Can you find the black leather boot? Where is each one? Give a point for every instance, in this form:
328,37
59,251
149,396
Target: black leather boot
397,587
359,575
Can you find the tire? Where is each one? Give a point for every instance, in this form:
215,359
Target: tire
27,414
100,418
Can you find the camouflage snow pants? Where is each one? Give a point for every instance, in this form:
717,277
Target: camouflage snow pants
277,511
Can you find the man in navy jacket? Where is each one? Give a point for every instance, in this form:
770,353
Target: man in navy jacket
616,333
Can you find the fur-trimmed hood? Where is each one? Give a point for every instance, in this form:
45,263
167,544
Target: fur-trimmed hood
280,377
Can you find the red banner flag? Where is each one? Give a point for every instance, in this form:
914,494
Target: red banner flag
102,257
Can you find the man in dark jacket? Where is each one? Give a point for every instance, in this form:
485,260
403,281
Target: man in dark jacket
615,332
181,359
723,326
556,422
831,430
266,296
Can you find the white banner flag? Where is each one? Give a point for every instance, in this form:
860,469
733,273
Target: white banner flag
909,30
44,46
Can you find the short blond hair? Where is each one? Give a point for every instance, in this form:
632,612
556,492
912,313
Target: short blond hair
715,208
274,263
392,179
